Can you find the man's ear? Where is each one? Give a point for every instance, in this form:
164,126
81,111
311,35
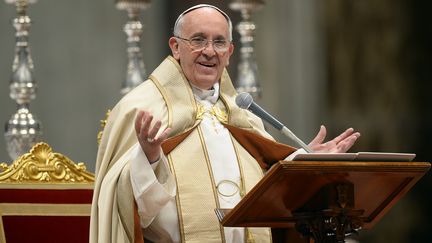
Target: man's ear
230,52
173,44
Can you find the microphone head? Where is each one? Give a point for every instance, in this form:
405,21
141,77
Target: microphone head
244,100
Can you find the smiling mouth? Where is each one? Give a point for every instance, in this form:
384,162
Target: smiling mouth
207,64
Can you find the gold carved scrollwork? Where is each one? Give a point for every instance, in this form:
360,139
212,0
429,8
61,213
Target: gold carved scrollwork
41,164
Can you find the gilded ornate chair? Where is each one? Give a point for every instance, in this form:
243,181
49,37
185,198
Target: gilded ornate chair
45,197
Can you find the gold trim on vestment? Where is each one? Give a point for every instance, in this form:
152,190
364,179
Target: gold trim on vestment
240,165
165,97
212,180
247,235
251,234
195,195
227,108
174,87
185,81
178,206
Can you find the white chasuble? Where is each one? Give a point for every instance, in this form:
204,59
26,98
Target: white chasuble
176,197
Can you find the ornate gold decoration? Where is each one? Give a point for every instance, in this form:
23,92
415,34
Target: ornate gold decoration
3,166
42,165
200,111
102,124
220,114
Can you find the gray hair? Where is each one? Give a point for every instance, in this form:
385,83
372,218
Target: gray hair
179,22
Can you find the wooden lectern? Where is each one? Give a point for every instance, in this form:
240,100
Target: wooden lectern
325,200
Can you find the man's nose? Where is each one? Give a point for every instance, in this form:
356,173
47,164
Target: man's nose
209,49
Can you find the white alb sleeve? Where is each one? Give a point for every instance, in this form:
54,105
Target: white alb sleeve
153,184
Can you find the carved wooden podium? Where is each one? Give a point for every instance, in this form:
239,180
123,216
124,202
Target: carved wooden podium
325,200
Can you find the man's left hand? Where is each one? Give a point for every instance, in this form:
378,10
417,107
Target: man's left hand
339,144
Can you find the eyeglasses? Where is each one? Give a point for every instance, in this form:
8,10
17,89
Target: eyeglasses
199,44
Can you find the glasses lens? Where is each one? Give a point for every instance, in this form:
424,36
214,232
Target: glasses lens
220,45
198,44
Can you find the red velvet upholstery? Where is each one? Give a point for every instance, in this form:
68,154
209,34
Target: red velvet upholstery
41,214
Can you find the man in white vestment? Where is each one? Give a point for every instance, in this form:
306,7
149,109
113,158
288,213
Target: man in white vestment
177,146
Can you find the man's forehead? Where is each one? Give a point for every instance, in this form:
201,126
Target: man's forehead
199,6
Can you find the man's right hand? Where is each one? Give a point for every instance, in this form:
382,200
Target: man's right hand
146,135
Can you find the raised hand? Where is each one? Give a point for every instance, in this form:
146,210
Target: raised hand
146,135
339,144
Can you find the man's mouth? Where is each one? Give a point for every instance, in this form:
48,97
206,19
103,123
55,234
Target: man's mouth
207,64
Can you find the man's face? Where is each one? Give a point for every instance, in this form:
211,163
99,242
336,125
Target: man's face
202,68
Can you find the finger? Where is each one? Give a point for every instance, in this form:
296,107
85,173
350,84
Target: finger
154,130
164,135
351,139
138,120
343,135
147,119
319,138
346,144
357,134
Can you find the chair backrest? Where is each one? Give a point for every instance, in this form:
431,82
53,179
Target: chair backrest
45,197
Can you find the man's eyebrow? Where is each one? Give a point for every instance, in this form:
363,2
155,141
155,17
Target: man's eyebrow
201,34
198,34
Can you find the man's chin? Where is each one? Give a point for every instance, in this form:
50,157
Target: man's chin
206,81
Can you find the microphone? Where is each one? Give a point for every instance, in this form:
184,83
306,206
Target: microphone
245,101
